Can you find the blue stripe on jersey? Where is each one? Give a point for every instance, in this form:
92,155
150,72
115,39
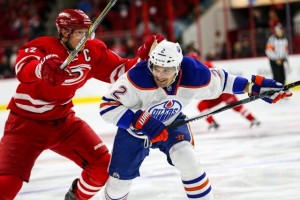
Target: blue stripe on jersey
239,85
107,99
194,73
196,180
108,109
196,196
121,198
126,119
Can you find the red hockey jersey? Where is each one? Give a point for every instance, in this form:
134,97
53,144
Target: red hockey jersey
36,99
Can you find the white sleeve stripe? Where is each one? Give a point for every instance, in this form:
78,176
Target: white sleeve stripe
87,185
121,69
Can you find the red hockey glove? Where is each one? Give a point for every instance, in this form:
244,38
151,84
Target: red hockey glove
150,43
261,84
154,129
49,70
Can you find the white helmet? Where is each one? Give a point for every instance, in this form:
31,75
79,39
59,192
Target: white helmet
166,54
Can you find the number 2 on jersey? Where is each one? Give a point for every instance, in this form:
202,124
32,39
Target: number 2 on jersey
121,91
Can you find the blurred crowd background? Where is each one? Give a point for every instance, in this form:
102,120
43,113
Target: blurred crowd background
219,29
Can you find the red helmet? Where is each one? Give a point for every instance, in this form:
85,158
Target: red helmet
72,18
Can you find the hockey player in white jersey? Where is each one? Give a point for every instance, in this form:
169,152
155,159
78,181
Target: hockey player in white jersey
152,95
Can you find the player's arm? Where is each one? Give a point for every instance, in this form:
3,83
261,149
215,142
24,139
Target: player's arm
117,107
239,85
32,66
115,66
26,62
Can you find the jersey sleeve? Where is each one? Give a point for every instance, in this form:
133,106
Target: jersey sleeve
118,105
26,62
110,66
222,82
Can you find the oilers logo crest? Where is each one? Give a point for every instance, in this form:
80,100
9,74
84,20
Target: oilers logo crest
165,110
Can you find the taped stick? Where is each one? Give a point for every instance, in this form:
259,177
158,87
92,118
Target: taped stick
243,101
88,34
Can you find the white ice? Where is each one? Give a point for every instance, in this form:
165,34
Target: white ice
242,163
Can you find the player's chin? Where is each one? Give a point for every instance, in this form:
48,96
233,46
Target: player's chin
164,84
161,82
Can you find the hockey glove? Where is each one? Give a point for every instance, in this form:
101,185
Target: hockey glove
154,129
150,43
49,70
261,84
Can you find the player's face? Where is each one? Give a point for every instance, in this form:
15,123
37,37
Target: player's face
76,36
278,32
163,76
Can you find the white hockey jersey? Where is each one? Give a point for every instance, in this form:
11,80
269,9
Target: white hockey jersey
137,90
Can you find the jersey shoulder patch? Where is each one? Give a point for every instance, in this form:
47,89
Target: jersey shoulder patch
194,73
140,77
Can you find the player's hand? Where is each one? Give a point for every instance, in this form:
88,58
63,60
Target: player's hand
261,84
150,43
154,129
49,70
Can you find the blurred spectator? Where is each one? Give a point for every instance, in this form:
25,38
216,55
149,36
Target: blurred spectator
219,47
34,23
243,49
6,71
130,48
212,55
85,6
260,20
118,48
20,21
273,19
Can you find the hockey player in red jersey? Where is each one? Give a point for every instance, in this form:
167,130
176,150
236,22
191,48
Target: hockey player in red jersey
223,98
41,115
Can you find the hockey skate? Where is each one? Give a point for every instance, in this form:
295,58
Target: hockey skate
70,195
254,123
213,125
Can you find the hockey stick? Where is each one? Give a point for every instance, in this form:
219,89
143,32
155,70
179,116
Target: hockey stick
88,34
243,101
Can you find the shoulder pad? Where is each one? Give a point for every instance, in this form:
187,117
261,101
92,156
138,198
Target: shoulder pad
194,73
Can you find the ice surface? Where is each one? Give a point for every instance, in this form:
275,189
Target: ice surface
242,163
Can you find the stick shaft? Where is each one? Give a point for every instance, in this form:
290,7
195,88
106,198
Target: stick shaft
227,107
